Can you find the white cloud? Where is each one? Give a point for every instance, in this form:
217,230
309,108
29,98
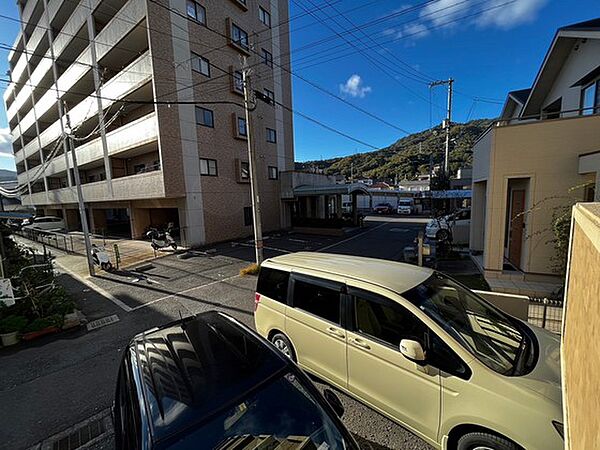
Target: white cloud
415,31
6,150
513,14
355,87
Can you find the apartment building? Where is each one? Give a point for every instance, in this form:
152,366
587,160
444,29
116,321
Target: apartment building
154,93
540,157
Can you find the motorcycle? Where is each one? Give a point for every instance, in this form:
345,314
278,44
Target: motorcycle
101,258
161,240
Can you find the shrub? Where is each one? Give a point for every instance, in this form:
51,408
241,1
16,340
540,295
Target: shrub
10,324
252,269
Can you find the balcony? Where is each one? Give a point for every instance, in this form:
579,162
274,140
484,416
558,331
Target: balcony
144,185
125,82
135,134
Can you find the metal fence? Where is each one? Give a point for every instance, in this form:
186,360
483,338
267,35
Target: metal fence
60,241
546,313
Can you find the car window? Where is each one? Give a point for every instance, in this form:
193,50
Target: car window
489,334
273,283
385,320
318,300
282,414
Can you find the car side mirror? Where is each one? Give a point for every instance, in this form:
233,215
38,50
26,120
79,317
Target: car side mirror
334,402
413,351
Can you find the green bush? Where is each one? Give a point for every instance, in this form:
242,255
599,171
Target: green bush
10,324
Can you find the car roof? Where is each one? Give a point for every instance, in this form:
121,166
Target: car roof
395,276
197,365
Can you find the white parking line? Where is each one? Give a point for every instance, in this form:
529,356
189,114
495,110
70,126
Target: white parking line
327,247
176,294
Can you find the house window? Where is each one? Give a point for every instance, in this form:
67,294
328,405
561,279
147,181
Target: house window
264,16
208,167
196,12
241,127
271,135
270,95
238,81
239,37
247,216
273,173
590,99
267,58
200,64
245,170
205,117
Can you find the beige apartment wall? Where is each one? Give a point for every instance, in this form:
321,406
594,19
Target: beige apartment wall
547,153
581,333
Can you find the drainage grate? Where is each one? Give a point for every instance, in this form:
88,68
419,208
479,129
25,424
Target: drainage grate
95,324
81,436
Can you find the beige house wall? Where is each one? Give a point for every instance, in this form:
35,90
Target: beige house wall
546,153
581,333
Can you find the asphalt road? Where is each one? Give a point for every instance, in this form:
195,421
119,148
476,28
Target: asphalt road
58,383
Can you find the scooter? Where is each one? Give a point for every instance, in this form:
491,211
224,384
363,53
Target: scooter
161,240
101,258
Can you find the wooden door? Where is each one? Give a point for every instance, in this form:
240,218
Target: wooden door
515,237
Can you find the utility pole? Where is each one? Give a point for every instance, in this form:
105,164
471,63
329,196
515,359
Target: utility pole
447,122
256,215
84,223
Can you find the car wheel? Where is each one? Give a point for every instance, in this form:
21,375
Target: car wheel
484,441
283,344
442,235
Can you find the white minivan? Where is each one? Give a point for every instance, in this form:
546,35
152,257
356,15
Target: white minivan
416,346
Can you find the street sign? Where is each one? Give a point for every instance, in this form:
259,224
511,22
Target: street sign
6,292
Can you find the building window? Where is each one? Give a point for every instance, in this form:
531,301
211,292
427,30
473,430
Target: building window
271,135
196,12
239,37
270,95
245,170
242,4
273,173
267,58
208,167
238,82
241,127
247,216
200,64
590,99
205,117
264,16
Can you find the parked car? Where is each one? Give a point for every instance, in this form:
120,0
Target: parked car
406,206
209,382
417,347
383,208
45,223
454,227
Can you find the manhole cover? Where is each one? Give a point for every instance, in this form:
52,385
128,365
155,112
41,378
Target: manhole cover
99,323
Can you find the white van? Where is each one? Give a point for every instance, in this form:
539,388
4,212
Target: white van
46,223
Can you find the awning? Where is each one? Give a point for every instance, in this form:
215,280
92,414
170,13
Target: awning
330,189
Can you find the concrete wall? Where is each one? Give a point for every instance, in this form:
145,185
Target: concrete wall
581,333
546,152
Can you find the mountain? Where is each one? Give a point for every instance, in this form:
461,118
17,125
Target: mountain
408,156
7,175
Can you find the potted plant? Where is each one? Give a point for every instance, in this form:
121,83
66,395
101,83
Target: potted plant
10,327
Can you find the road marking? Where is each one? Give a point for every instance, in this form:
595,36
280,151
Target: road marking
327,247
176,294
95,287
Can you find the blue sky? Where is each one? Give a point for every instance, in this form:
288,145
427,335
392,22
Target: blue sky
488,46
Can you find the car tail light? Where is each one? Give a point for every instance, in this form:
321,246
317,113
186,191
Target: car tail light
256,301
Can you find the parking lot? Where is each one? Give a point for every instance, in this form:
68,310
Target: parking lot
58,385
